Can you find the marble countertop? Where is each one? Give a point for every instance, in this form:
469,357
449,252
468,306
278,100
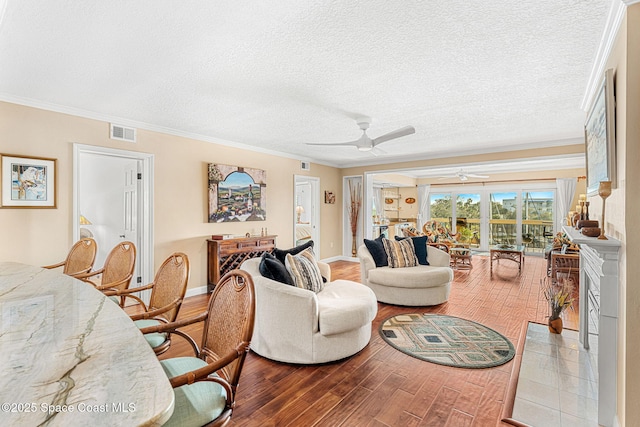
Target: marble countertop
69,356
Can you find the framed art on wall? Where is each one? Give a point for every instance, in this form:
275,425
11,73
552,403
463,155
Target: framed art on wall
329,197
600,136
236,193
27,182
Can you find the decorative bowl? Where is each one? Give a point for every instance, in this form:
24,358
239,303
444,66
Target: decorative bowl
586,223
591,231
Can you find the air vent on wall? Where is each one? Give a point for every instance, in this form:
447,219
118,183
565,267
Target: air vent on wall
123,133
305,166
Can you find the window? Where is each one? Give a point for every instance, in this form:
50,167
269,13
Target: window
468,218
505,215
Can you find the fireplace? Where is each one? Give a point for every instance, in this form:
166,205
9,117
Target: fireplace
599,293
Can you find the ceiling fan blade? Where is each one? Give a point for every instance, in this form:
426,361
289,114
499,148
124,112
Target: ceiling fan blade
471,175
350,143
407,130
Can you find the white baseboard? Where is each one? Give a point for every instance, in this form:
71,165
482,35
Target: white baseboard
191,292
340,258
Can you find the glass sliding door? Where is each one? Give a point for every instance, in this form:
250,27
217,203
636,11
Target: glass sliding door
440,208
468,218
503,219
537,219
486,217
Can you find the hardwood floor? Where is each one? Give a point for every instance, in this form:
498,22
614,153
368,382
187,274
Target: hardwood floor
381,386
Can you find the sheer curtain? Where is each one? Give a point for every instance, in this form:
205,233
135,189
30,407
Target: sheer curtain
423,205
377,198
565,190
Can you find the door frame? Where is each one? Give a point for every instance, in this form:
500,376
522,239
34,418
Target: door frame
314,183
145,201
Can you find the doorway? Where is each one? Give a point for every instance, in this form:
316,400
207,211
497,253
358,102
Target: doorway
112,202
306,211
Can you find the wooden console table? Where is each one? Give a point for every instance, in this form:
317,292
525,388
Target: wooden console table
228,254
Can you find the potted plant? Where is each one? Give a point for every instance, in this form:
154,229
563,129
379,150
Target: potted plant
560,297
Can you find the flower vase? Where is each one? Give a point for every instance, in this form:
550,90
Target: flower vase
555,325
353,245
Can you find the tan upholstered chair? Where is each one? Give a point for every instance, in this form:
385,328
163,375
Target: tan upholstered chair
167,293
117,272
205,386
80,258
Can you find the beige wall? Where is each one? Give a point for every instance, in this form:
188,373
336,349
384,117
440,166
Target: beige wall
42,236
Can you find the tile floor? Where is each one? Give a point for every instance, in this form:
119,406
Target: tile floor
558,381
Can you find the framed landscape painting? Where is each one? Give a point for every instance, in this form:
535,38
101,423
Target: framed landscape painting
600,137
236,193
27,182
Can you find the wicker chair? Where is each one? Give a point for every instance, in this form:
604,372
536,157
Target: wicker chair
437,232
117,271
80,258
205,386
567,264
167,293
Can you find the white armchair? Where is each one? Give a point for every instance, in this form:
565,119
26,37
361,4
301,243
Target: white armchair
296,325
410,286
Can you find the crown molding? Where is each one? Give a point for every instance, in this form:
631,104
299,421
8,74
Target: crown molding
614,19
92,115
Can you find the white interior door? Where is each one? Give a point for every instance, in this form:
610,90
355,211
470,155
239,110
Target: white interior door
109,193
306,209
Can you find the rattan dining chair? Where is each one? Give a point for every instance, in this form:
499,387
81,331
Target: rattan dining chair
167,293
117,272
205,386
80,258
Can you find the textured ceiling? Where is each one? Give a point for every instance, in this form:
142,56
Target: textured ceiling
469,76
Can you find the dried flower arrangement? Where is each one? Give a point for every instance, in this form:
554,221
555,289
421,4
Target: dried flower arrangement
353,208
559,295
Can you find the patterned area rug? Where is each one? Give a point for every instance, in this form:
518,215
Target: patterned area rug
447,340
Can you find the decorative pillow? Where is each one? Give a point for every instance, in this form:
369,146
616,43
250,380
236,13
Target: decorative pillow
304,270
273,269
376,249
420,248
400,253
281,254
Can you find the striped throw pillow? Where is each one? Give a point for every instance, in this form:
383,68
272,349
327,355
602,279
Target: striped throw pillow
304,270
400,253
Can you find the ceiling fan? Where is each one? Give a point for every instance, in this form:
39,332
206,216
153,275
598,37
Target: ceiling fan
462,175
364,143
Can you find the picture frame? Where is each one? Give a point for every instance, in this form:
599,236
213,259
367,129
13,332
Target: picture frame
600,135
27,182
329,197
236,193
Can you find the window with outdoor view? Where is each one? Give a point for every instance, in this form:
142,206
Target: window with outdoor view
440,208
537,219
502,218
468,218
